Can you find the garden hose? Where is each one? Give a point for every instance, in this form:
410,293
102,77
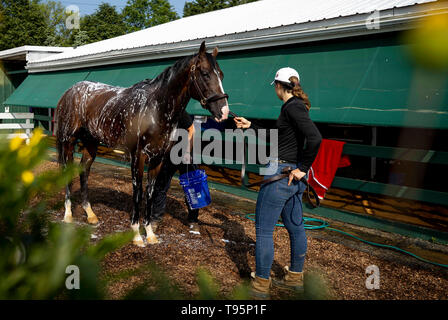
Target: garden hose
325,225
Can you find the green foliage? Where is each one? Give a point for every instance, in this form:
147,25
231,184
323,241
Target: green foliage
141,14
55,16
80,38
104,23
34,252
23,23
208,288
158,286
194,7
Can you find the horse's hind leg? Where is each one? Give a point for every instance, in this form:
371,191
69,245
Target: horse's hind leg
66,157
152,177
137,169
88,156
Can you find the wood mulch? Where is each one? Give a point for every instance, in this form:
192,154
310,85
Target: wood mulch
226,248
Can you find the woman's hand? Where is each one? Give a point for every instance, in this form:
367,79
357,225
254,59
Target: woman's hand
296,175
241,123
186,158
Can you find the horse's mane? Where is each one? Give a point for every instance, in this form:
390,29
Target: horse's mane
165,75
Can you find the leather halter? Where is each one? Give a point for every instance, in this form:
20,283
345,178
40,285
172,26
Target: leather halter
204,100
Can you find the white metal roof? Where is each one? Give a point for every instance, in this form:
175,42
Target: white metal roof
242,26
23,51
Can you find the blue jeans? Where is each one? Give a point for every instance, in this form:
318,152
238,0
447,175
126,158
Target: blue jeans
277,199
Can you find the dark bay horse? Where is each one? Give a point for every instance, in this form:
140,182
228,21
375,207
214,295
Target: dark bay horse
140,118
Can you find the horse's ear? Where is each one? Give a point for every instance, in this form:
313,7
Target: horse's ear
215,52
202,48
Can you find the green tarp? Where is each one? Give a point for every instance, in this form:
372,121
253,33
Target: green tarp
367,81
44,89
127,75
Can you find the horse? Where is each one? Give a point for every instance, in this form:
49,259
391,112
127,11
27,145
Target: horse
141,119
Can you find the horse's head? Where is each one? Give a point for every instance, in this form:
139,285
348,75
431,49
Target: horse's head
206,85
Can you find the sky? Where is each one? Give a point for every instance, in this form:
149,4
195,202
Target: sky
89,6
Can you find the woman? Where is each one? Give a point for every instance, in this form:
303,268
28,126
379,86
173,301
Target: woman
284,197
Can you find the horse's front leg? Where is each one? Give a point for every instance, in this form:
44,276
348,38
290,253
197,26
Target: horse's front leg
137,169
152,177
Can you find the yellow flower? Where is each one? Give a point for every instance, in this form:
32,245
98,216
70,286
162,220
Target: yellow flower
15,143
27,177
37,136
24,153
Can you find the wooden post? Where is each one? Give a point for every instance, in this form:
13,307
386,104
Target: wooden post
28,131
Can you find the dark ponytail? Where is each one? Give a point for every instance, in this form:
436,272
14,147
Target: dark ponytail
299,93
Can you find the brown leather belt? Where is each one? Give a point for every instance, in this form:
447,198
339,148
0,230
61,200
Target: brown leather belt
284,174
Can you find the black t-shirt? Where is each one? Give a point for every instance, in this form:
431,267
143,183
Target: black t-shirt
185,121
294,128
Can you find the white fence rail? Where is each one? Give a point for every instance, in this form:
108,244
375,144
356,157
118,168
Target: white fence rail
27,126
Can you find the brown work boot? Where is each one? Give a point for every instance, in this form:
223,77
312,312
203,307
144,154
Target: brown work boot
292,281
194,228
259,287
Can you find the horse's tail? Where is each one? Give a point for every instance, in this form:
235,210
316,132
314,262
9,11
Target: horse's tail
60,110
58,135
59,149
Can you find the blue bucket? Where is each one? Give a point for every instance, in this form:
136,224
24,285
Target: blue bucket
195,188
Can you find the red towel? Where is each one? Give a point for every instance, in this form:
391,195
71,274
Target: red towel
324,167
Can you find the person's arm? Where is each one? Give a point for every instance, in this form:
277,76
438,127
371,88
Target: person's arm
191,131
243,123
299,117
187,155
185,122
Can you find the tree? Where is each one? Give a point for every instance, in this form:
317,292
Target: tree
104,23
194,7
57,32
141,14
80,38
23,23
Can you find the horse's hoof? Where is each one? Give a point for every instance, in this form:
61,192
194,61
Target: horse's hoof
152,240
138,243
92,220
68,219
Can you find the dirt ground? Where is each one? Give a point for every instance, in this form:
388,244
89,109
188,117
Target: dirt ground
226,247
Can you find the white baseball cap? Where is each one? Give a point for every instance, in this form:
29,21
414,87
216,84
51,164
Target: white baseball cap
284,74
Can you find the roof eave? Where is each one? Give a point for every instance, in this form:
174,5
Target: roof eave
390,20
25,50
